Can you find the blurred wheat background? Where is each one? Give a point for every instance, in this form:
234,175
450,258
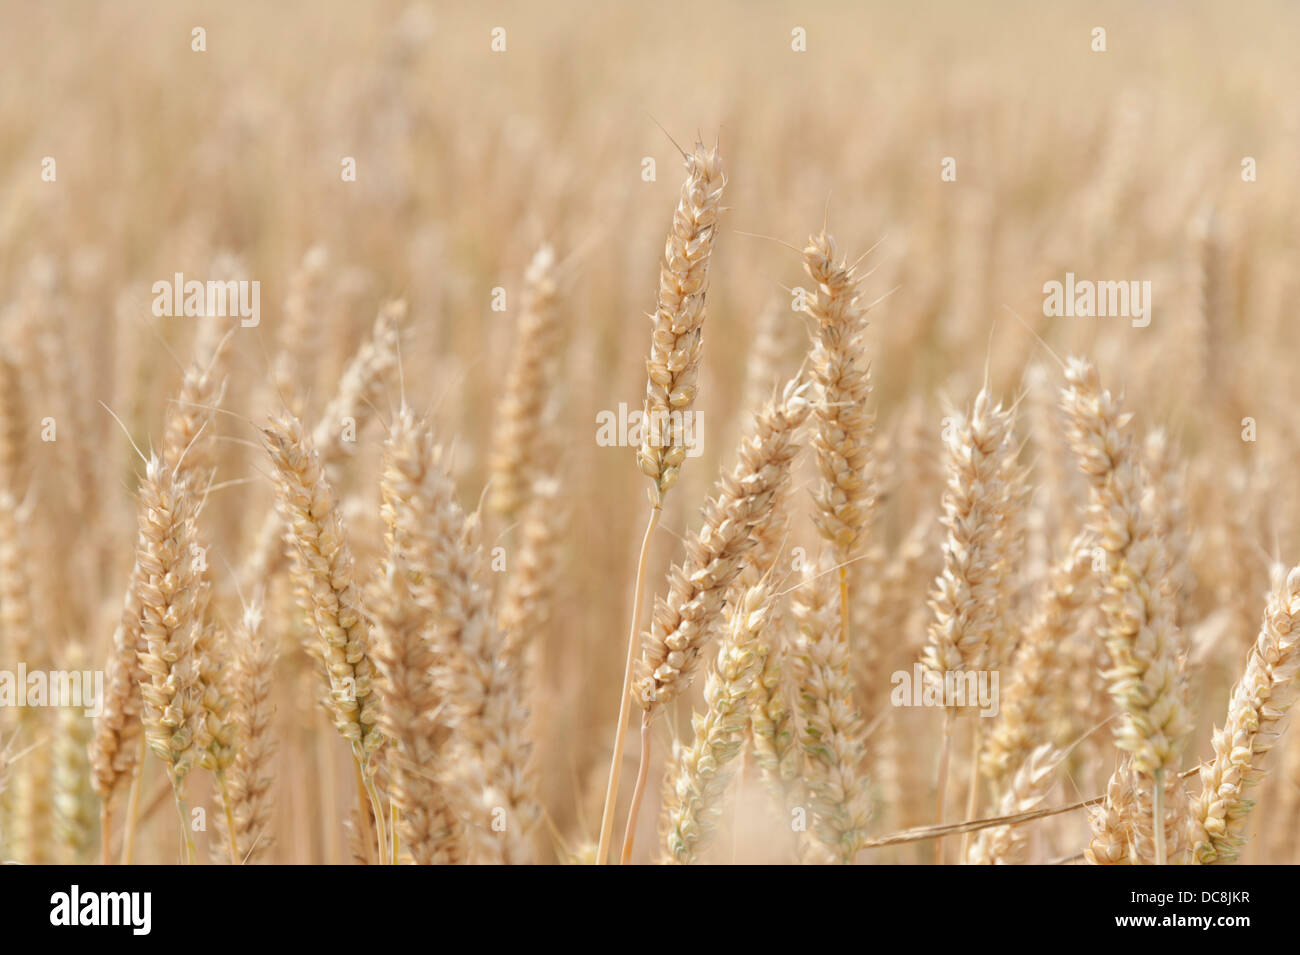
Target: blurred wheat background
226,162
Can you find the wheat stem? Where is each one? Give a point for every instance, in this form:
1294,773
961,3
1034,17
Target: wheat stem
643,771
105,834
625,700
133,804
230,817
183,812
941,785
1158,814
376,811
364,807
972,792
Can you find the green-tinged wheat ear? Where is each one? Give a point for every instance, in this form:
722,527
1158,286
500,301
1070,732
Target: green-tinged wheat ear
701,771
1147,652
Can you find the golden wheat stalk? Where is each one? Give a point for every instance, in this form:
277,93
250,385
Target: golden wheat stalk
672,370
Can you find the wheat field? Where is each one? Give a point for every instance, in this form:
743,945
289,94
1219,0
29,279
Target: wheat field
668,433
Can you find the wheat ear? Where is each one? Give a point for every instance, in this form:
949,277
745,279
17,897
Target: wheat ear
1147,678
74,800
27,804
1029,786
967,596
702,770
830,730
845,496
518,441
438,545
1256,711
299,331
360,391
324,577
772,728
251,774
743,503
672,371
774,342
187,453
1038,669
409,706
171,617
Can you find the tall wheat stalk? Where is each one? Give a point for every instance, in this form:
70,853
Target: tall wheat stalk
672,371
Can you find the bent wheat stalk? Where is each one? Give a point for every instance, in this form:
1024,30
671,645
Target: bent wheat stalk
1260,701
744,501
